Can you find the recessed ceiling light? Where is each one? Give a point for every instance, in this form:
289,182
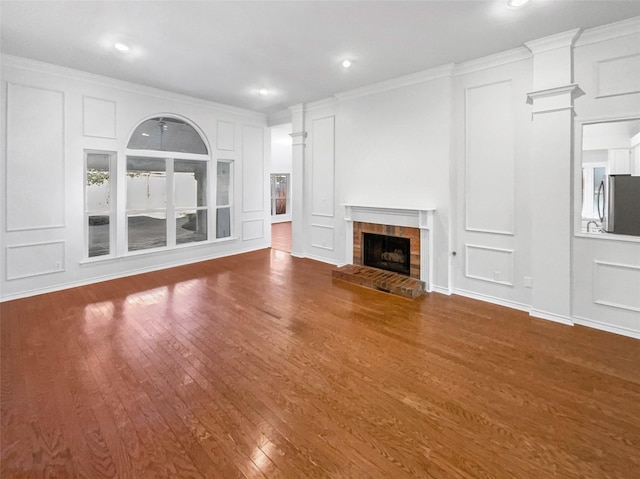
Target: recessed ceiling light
347,63
517,3
263,91
145,134
121,47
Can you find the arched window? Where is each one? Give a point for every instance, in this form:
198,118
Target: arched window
167,185
167,134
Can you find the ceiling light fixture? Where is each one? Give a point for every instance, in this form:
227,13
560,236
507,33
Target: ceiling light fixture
517,3
263,91
347,63
121,47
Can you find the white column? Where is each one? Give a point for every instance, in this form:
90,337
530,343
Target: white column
552,117
298,136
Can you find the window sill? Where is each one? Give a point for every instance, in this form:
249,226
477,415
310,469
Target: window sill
608,237
154,251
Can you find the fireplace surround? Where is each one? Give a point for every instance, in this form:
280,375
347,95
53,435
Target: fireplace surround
416,224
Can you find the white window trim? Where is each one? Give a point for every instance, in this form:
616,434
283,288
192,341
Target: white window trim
169,158
112,212
214,224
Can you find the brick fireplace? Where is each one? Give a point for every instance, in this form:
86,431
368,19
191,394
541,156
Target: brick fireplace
416,224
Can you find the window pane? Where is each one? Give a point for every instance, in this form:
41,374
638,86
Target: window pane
223,222
167,134
147,231
146,183
97,182
191,226
99,236
224,177
190,183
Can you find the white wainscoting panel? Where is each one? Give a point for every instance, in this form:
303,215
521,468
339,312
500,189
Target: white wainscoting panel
252,229
24,261
252,169
323,236
98,117
35,158
489,264
489,158
323,166
226,135
617,285
618,76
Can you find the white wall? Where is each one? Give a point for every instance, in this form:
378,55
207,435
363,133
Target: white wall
606,269
52,115
404,160
492,131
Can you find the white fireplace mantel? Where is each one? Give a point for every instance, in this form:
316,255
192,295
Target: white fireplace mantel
418,217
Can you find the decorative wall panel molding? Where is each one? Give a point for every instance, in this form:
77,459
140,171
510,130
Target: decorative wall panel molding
616,285
323,166
35,158
226,135
618,76
24,261
323,236
253,175
489,158
252,229
494,265
98,117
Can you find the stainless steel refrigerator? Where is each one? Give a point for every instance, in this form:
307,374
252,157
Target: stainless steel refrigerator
619,204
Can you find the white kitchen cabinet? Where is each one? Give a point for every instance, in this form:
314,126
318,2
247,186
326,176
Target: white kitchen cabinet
620,161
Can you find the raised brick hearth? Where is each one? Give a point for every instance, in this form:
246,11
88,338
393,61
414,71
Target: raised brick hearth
381,280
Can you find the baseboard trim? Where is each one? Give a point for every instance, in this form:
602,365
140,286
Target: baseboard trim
317,258
557,318
492,299
110,277
440,290
609,328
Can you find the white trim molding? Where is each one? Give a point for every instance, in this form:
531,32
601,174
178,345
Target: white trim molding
553,42
556,318
444,71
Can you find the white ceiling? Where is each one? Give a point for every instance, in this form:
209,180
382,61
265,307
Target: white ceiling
225,51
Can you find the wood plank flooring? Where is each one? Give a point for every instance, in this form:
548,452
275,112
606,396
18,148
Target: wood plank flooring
281,236
261,365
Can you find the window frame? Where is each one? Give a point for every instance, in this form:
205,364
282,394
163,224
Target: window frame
273,202
229,205
112,212
170,209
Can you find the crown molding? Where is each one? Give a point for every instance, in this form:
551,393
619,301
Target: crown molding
553,42
319,104
610,31
404,81
72,74
492,61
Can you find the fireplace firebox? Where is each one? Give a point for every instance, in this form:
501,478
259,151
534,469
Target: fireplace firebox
391,253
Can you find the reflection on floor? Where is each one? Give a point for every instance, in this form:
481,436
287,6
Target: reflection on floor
281,236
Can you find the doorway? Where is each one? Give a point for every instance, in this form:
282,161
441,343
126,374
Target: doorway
280,181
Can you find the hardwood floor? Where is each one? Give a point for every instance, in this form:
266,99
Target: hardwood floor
262,365
281,236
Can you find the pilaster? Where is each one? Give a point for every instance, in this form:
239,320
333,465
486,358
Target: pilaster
552,117
298,137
